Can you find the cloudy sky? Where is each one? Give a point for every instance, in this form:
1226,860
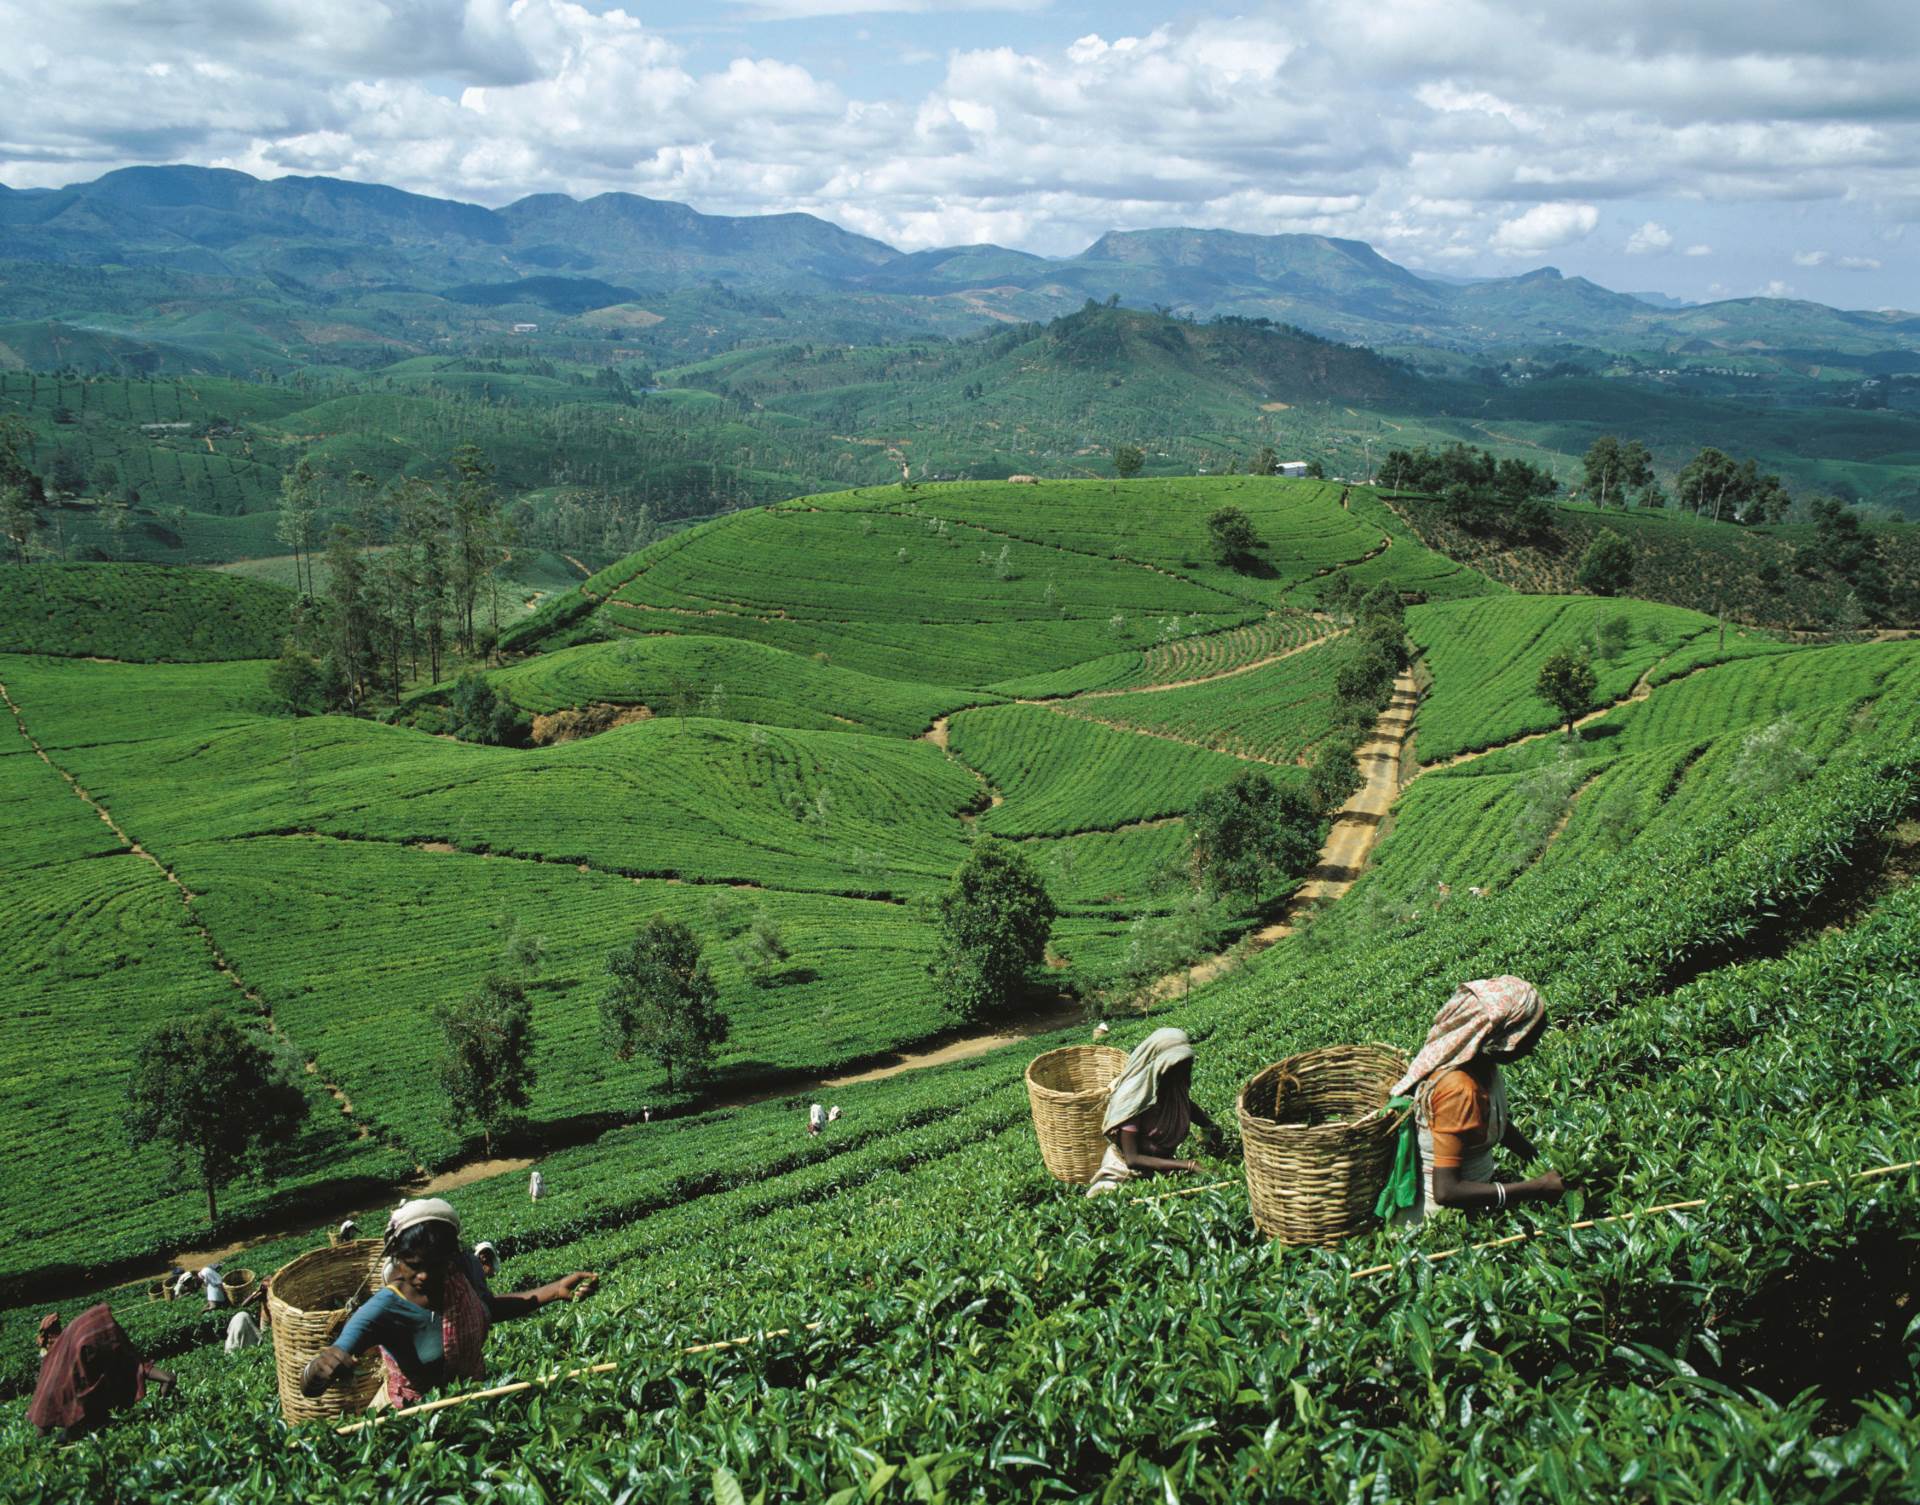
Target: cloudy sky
1699,147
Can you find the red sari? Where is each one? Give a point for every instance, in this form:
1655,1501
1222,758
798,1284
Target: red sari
91,1371
463,1336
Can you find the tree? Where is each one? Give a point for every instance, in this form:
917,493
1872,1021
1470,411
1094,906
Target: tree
1567,683
486,1063
216,1094
473,546
1333,775
18,519
1127,460
351,614
1250,833
1612,636
662,1001
1231,533
1708,481
295,682
1264,463
297,527
1316,470
1606,568
994,921
481,713
1613,467
761,950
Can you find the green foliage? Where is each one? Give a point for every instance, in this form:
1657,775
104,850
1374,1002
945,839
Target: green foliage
480,713
1606,568
295,682
1230,531
487,1065
994,922
1250,834
662,1001
215,1094
1127,460
1567,683
142,613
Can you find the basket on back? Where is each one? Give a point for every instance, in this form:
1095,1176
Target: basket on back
239,1286
309,1297
1068,1090
1320,1141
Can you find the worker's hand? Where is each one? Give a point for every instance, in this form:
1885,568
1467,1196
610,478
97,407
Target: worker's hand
579,1283
1552,1184
323,1368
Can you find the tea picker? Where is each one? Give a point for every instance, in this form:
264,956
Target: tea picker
1459,1102
1150,1111
430,1322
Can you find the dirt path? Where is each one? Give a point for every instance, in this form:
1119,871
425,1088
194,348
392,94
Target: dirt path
585,573
1188,684
1355,829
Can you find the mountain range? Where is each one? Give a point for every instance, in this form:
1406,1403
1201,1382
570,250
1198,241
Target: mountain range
326,242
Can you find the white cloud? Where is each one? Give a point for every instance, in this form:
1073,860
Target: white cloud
1543,227
1776,289
1447,132
1650,239
1809,258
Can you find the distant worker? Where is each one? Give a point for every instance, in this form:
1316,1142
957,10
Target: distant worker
1101,1031
488,1257
536,1187
1150,1110
646,1115
430,1322
209,1276
816,1119
182,1283
833,1114
1460,1100
87,1372
346,1233
242,1331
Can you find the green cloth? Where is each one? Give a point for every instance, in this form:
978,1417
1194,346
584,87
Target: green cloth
1403,1181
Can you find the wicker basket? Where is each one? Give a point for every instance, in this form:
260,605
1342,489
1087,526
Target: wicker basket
239,1286
1068,1090
1319,1141
309,1297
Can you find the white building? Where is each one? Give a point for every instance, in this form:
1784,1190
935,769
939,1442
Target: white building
526,329
1291,468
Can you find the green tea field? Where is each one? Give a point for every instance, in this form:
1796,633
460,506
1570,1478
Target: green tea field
802,719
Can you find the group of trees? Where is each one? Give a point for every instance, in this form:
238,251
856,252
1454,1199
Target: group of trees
1475,490
430,583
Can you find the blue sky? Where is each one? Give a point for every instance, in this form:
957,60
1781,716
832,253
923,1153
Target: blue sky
1699,147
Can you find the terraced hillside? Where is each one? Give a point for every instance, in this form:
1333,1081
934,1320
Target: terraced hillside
1709,883
350,875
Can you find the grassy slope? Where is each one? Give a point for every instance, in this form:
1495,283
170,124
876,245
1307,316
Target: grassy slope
144,613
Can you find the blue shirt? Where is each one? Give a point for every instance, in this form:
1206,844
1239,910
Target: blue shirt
411,1334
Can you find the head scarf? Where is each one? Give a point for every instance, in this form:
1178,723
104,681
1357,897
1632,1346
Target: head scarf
50,1326
349,1228
1491,1014
1136,1091
485,1247
421,1210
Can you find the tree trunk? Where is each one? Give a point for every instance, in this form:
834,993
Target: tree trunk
213,1212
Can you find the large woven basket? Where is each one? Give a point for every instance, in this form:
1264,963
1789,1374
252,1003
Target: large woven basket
239,1285
1068,1090
309,1297
1320,1141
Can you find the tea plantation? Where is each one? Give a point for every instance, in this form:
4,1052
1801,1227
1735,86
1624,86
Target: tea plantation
1709,883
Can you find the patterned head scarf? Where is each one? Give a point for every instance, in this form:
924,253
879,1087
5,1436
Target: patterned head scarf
421,1210
1494,1013
1137,1089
